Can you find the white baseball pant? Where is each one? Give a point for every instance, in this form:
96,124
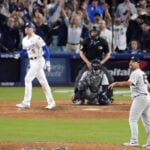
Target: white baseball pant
36,70
140,108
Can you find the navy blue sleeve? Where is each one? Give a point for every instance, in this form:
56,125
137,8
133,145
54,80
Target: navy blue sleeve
46,53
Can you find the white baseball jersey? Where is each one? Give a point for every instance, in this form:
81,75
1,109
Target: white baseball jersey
120,36
33,45
140,83
107,35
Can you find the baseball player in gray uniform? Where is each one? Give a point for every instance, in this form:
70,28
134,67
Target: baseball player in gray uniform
140,107
37,51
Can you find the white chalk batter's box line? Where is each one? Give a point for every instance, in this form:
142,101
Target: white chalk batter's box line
126,92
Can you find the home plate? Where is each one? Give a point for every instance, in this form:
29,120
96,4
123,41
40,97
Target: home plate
91,109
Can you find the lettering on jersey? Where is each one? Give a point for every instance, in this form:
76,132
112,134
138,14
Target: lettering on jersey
94,43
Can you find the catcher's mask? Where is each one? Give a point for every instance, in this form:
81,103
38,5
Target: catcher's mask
96,66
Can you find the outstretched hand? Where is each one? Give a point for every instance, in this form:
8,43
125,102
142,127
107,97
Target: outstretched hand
111,85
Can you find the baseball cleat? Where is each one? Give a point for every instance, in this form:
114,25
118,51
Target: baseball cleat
51,106
22,105
131,144
146,146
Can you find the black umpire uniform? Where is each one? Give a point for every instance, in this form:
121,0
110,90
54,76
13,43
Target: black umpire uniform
93,47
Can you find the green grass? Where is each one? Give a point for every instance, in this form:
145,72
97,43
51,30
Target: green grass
17,93
61,93
64,130
81,131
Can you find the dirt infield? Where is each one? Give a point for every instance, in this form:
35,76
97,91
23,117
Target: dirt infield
67,110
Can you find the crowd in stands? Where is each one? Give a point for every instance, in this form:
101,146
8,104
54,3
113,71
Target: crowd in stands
64,24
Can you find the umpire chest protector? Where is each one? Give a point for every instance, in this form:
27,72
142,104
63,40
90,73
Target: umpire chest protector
94,48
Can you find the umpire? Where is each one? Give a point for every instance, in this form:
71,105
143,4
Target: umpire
94,47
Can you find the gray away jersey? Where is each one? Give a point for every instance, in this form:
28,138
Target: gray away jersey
140,83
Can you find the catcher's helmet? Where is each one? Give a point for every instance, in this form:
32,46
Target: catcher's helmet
96,65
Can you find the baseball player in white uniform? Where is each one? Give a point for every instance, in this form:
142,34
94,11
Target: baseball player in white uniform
36,50
140,107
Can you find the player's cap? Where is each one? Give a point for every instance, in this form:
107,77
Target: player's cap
136,59
30,25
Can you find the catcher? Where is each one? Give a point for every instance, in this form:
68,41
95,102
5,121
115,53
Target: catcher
92,86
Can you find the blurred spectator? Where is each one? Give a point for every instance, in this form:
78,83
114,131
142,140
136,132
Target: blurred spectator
4,8
97,19
119,29
55,38
134,47
24,14
38,4
23,10
94,7
147,15
10,38
107,16
19,22
81,16
3,18
12,5
143,3
144,37
42,29
140,9
134,23
85,21
75,27
124,8
105,33
54,12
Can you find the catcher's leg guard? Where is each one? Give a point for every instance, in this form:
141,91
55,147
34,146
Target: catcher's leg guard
78,98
